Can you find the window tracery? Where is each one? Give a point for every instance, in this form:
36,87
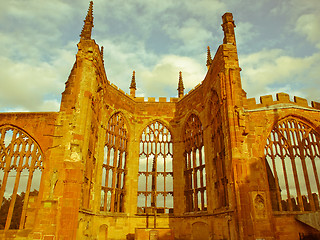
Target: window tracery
155,181
114,165
293,166
195,172
21,165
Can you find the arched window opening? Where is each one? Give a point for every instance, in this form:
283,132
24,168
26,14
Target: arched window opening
293,166
155,181
114,164
20,174
195,177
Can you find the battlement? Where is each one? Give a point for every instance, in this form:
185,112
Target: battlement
142,99
154,100
281,98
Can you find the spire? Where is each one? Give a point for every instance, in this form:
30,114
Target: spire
180,86
228,29
88,24
133,87
209,59
101,53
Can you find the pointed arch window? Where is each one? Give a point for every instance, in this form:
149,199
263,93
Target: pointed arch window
114,165
21,165
195,172
155,182
292,155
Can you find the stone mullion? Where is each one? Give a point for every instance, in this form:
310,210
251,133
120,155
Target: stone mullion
305,173
165,190
202,186
294,169
315,171
201,163
23,152
4,184
187,179
118,189
275,175
107,179
120,158
145,174
302,149
282,156
118,179
165,174
121,201
155,171
114,175
202,177
146,188
202,199
6,173
118,200
14,195
26,199
147,153
194,172
317,147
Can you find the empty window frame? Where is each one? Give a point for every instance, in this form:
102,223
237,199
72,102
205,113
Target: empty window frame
195,173
20,174
155,180
293,166
114,165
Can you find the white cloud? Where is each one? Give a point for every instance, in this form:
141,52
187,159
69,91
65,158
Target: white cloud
245,32
156,39
192,34
273,70
309,26
33,86
205,9
162,80
295,8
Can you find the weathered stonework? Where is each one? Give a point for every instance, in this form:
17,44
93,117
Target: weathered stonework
233,198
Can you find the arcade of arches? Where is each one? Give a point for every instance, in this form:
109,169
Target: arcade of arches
209,164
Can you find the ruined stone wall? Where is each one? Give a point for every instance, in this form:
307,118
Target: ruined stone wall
40,127
261,118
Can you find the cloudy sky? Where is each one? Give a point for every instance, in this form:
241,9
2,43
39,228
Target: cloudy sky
278,45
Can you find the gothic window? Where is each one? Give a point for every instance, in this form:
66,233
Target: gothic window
20,174
114,165
155,182
293,166
195,172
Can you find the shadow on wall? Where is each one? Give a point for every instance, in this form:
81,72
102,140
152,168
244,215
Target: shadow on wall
309,236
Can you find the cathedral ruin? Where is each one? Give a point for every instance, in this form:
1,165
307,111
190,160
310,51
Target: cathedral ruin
208,164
